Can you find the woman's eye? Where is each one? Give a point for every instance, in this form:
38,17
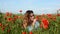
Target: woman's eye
32,15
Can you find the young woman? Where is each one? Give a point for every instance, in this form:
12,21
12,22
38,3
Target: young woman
29,21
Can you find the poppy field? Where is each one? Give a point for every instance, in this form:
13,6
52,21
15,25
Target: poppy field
12,24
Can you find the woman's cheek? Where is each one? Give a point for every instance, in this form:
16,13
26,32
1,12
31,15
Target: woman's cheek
31,19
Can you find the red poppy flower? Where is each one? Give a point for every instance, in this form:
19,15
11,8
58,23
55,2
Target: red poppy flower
20,11
58,14
10,14
0,24
45,27
49,15
54,18
37,17
15,17
7,13
30,33
9,19
23,32
45,23
3,28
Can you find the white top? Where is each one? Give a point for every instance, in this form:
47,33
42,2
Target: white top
30,28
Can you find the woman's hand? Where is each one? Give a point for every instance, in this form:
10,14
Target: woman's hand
34,22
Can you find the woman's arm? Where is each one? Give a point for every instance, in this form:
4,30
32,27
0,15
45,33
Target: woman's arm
34,22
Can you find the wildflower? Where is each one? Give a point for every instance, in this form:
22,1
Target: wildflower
7,13
15,17
54,18
10,14
3,28
37,17
23,32
45,23
30,32
20,11
9,19
45,27
58,14
0,24
49,15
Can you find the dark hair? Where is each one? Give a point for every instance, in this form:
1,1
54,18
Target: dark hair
29,11
26,17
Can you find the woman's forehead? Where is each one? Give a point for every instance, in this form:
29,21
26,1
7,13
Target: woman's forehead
31,14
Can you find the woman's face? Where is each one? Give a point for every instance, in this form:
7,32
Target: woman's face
31,16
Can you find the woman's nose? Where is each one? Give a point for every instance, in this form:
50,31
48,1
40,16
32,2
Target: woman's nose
33,17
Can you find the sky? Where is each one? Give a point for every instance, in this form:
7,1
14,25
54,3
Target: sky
38,6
